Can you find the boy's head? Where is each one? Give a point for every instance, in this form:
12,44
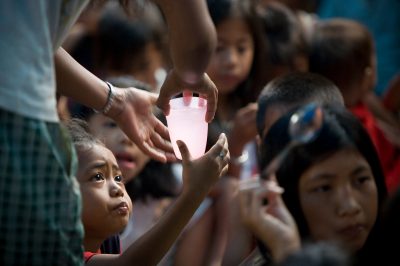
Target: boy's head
290,91
106,204
343,51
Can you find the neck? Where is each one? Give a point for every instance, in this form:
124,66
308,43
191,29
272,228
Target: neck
92,244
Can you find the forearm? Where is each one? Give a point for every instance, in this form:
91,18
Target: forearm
192,36
152,246
74,81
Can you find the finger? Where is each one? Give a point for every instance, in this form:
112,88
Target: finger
187,97
161,143
212,99
224,170
152,152
162,132
184,151
163,103
218,146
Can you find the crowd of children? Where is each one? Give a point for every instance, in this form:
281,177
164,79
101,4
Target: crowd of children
103,186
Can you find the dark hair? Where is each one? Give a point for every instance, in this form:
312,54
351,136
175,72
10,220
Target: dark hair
340,130
156,180
284,34
221,10
295,89
341,50
121,43
81,111
80,134
387,253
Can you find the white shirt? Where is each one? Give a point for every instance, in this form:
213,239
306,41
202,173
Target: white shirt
30,33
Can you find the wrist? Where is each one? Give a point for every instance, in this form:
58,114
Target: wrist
114,104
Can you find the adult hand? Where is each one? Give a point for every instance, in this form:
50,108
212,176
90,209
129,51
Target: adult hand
272,223
133,112
174,85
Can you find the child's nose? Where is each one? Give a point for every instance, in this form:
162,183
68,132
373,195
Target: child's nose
347,203
116,191
123,138
230,57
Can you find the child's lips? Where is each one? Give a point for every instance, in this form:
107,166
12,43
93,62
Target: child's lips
125,161
126,164
122,208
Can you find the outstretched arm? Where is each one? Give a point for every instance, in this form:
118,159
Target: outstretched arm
198,177
131,108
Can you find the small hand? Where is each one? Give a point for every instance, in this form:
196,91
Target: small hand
244,128
272,223
201,174
137,120
174,85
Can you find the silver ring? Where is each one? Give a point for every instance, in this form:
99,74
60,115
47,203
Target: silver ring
221,154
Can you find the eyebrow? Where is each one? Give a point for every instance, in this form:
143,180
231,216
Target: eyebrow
360,168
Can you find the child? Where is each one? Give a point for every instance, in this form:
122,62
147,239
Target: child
128,47
147,181
290,91
287,49
333,187
343,51
105,199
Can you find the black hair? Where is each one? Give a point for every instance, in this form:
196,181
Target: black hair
156,180
284,33
121,43
80,134
221,10
341,50
340,130
295,89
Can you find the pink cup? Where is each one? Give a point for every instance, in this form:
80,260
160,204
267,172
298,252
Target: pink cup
186,122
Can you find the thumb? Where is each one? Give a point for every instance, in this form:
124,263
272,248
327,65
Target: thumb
163,100
184,151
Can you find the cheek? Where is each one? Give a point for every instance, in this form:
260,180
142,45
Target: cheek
317,215
370,205
247,63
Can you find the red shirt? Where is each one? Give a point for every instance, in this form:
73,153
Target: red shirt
87,255
387,152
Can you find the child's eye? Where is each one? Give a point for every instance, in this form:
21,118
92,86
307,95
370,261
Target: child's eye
362,179
322,188
97,177
118,178
110,124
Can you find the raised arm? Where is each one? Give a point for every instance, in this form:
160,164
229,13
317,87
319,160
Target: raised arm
198,177
192,40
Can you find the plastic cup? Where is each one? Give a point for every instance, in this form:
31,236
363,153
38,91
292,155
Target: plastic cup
186,122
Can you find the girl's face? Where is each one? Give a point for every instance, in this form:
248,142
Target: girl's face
106,204
339,199
130,158
232,61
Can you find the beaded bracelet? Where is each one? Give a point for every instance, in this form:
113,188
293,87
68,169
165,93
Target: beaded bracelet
110,99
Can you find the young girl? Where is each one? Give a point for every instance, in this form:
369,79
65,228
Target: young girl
236,69
333,187
149,183
107,206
